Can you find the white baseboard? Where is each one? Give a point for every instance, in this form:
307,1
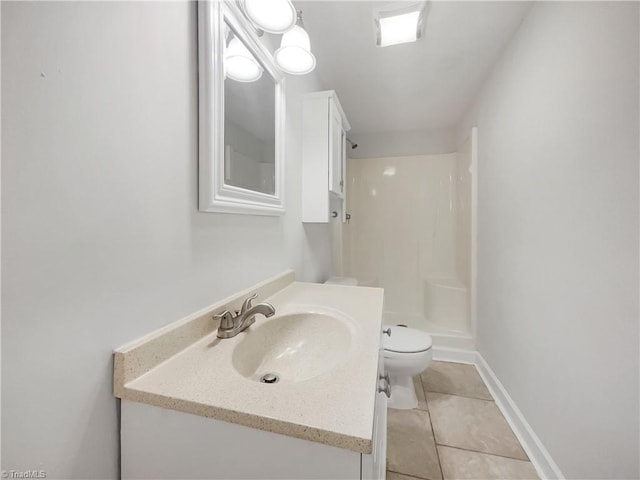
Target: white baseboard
456,355
459,342
538,454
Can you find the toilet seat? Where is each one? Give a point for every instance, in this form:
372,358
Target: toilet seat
408,359
406,341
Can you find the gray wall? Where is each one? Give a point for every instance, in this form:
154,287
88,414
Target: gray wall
102,240
558,231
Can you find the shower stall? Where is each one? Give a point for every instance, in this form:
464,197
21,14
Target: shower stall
412,232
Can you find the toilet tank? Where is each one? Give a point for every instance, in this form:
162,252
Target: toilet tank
342,281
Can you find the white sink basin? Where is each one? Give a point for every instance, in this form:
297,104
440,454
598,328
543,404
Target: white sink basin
295,346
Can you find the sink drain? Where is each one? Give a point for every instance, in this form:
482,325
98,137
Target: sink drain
269,378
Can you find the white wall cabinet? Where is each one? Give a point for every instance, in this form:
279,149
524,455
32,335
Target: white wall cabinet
324,127
160,443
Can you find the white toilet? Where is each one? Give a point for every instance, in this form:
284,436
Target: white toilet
407,353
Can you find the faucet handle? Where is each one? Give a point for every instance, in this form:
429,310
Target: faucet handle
226,320
246,305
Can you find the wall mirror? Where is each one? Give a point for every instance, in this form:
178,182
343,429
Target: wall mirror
241,116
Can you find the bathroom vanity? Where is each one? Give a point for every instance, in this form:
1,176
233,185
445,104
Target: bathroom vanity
194,405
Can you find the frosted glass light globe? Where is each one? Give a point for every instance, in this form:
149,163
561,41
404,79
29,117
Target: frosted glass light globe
294,55
273,16
239,64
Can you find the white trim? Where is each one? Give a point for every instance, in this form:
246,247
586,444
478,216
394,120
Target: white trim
538,454
346,126
456,355
214,195
473,300
453,341
1,238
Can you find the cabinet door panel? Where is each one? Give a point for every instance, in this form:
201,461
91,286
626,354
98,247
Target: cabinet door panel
374,466
158,443
335,149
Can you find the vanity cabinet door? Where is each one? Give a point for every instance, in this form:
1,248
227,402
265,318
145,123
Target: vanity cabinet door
163,444
374,466
336,150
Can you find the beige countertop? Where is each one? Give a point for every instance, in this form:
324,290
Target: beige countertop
185,367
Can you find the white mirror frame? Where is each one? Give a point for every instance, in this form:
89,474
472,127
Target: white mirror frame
214,195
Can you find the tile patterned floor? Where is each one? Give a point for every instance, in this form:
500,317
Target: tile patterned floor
456,432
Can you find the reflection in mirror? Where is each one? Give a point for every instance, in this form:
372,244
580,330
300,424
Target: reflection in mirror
241,107
249,126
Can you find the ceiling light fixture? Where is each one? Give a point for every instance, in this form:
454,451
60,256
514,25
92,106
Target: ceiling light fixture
273,16
294,55
239,64
400,25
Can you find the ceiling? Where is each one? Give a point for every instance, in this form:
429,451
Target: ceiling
418,86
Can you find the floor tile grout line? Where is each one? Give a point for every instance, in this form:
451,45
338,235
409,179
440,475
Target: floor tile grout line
433,432
406,475
424,388
421,383
484,453
424,393
468,449
456,395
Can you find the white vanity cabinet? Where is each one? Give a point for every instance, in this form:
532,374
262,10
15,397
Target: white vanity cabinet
161,443
324,126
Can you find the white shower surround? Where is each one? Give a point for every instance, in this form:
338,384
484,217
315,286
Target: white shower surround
446,305
410,233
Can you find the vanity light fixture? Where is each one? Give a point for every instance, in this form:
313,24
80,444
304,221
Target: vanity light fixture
239,64
272,16
399,25
294,55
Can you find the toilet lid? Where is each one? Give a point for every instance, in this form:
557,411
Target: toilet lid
406,340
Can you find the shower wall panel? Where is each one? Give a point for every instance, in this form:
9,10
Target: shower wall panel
402,227
463,214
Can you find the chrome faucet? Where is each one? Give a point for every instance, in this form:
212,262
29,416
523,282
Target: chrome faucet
231,325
